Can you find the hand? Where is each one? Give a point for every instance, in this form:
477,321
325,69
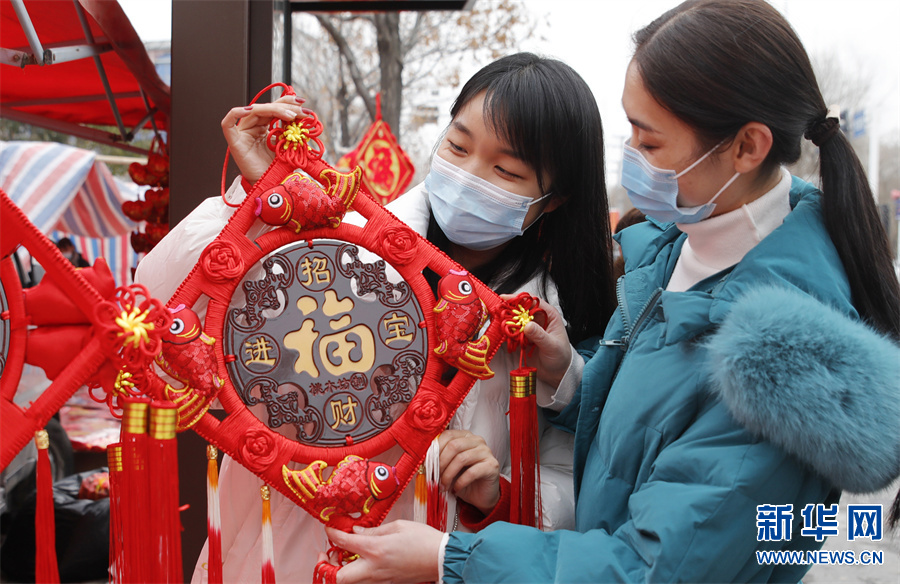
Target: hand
401,551
245,130
469,469
553,352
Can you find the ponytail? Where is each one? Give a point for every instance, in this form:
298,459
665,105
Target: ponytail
760,72
857,232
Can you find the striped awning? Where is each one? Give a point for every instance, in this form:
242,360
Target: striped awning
64,188
65,191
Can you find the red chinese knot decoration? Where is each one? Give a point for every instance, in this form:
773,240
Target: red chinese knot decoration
387,169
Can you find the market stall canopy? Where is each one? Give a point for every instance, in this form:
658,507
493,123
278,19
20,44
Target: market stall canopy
68,63
66,191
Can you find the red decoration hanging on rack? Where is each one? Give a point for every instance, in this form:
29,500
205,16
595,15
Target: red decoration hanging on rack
387,169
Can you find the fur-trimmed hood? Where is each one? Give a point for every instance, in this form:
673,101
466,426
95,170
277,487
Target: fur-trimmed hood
821,386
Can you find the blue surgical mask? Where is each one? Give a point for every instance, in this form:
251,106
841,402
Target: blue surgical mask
471,211
654,191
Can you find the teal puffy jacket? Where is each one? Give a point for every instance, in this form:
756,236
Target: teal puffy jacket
757,386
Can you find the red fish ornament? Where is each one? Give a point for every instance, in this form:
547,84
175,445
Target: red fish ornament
188,355
301,203
275,206
352,488
460,316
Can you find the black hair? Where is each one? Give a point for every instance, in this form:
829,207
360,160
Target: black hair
718,65
547,114
64,243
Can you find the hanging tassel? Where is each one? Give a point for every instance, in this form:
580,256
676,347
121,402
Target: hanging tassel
438,501
45,569
213,521
268,547
525,491
114,460
420,503
135,516
165,523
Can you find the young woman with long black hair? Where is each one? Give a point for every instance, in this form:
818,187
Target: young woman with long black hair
517,196
750,373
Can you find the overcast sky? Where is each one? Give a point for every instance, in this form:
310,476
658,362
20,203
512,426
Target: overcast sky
594,37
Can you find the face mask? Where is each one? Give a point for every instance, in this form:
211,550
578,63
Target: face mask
654,191
471,211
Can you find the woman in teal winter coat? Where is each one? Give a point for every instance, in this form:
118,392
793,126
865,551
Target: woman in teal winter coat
752,365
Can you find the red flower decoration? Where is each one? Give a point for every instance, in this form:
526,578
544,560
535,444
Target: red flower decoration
294,142
131,326
258,450
398,245
221,261
514,315
428,413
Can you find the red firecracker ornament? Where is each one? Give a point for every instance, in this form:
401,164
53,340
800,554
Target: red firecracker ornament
154,208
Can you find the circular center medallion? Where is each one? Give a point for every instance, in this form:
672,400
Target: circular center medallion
327,343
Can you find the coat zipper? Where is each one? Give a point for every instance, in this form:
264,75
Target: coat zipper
643,315
630,332
620,299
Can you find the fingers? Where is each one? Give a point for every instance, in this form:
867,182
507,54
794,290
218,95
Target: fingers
465,460
453,442
348,541
291,99
447,435
484,469
260,114
536,334
362,537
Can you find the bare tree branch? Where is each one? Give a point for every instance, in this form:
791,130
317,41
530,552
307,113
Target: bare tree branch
413,37
350,59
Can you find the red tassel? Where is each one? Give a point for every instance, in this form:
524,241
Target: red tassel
213,523
114,460
165,523
268,548
525,481
135,493
420,498
437,500
45,569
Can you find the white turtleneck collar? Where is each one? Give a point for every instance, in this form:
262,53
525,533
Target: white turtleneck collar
722,241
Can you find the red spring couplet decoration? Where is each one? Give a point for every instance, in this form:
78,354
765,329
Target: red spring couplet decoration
135,513
525,481
165,523
45,569
213,522
114,460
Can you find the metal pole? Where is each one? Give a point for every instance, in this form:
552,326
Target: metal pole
28,28
99,64
286,49
874,169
